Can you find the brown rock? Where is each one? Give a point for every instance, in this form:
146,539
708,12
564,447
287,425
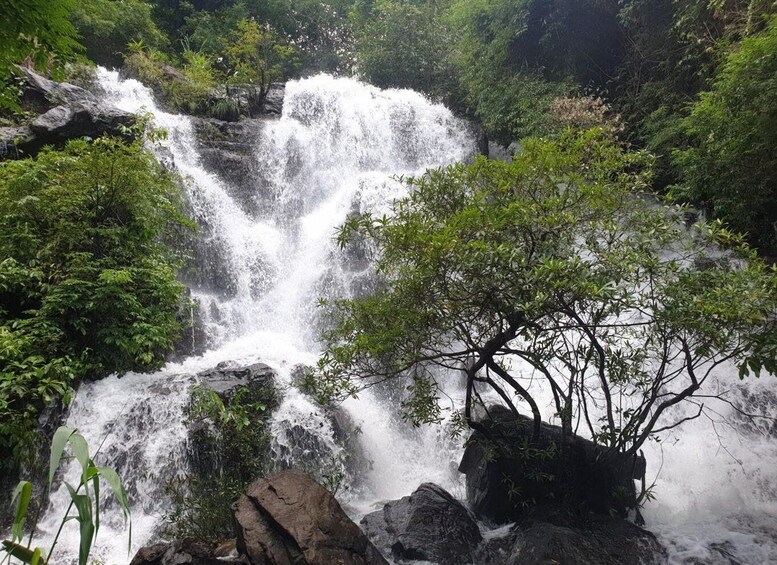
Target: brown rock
288,518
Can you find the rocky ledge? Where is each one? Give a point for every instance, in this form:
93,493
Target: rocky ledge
66,112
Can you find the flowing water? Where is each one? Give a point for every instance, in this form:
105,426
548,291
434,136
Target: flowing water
334,151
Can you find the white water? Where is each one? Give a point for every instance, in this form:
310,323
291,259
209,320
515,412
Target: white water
333,151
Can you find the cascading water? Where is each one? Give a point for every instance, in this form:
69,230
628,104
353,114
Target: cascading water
333,152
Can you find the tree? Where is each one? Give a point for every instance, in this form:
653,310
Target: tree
551,267
259,56
107,27
37,33
730,165
403,44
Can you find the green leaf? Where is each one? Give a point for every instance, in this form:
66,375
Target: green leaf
23,491
23,554
81,451
83,505
58,443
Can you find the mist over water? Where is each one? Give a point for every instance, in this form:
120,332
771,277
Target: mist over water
333,152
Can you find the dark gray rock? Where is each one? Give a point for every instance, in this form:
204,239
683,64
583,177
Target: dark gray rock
226,377
42,94
187,551
273,100
84,118
504,481
288,518
594,540
207,453
428,525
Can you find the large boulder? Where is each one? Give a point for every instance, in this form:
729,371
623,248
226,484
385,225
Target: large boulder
42,94
207,451
506,476
66,112
428,525
84,118
573,540
288,518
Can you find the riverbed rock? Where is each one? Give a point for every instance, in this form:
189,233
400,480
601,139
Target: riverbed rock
180,552
428,525
504,481
289,518
41,94
565,539
207,452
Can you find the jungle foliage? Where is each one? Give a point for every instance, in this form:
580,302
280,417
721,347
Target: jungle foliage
87,275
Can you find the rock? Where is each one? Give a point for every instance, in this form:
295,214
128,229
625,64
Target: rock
273,100
207,453
289,518
187,551
428,525
502,482
84,118
42,94
574,541
226,377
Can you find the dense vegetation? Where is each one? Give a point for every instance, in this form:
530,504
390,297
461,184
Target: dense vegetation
87,275
686,78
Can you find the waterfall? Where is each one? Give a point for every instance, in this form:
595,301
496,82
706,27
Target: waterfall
335,150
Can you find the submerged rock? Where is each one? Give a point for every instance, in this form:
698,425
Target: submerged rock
289,518
428,525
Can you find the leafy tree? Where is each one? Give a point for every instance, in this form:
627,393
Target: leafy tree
407,45
730,167
107,27
87,275
37,33
551,267
258,56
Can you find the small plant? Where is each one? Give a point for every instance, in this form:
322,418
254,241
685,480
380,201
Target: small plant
86,502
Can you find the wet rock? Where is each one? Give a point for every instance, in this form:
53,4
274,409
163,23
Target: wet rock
289,518
503,481
273,101
187,551
226,377
207,452
596,540
428,525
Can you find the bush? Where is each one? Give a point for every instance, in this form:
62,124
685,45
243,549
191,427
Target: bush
87,275
232,438
730,168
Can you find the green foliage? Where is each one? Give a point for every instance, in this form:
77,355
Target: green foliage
87,275
233,433
107,27
407,45
730,165
87,504
552,261
258,56
37,33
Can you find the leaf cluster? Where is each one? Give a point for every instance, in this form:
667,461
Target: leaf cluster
87,274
